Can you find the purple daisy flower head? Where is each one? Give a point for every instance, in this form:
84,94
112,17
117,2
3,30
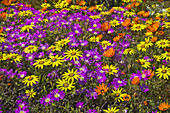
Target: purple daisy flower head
138,74
101,78
56,95
110,31
79,104
91,94
19,110
83,42
22,74
118,83
91,111
144,88
11,74
21,104
145,74
45,100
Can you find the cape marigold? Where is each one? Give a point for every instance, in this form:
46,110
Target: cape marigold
116,38
163,106
126,97
101,89
126,23
146,14
135,81
154,39
109,53
145,102
3,15
105,26
153,27
68,1
141,13
1,29
82,3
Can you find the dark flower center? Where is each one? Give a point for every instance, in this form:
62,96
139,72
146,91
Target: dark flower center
73,53
164,71
102,90
162,43
31,48
164,109
41,62
53,60
30,78
71,74
117,94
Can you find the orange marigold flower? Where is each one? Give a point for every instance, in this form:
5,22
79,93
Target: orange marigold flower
151,74
126,97
3,15
161,32
109,53
68,1
126,22
82,3
105,26
163,106
145,102
135,81
129,7
100,36
153,27
146,14
7,2
121,35
154,39
111,10
141,13
160,0
101,89
1,29
116,39
84,8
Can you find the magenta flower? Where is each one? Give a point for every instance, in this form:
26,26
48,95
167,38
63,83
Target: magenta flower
79,104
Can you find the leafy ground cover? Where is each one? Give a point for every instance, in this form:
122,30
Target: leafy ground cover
78,59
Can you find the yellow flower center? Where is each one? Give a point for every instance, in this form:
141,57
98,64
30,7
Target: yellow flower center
110,70
30,78
147,41
94,39
53,47
162,43
102,90
47,100
1,57
63,42
117,94
13,57
167,54
41,62
65,84
31,48
143,46
163,71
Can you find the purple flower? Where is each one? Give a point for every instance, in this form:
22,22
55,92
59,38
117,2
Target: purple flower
44,46
110,31
30,56
21,104
11,74
118,83
136,75
22,74
46,100
91,94
53,73
83,42
91,111
144,88
19,110
145,74
79,104
56,95
101,78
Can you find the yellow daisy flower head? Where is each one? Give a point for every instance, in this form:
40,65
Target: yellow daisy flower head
26,28
138,27
31,49
128,13
110,69
144,63
94,17
2,56
56,47
63,42
166,55
157,57
150,34
40,63
130,51
2,39
45,5
164,71
15,57
118,94
105,43
148,42
166,25
71,75
30,93
126,1
65,85
73,54
30,80
163,43
55,60
112,110
94,39
142,46
114,23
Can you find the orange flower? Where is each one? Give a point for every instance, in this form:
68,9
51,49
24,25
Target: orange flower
136,19
153,27
160,0
121,35
145,102
28,5
123,73
109,53
133,0
163,106
154,39
146,14
145,1
126,97
126,22
168,50
84,8
68,1
105,26
3,15
1,29
101,89
135,81
45,1
137,4
116,39
82,3
128,7
158,18
141,13
123,4
44,8
100,36
7,2
91,9
161,32
135,94
111,10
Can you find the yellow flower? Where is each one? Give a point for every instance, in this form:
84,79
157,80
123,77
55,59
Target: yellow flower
150,34
157,57
30,93
26,28
144,63
94,17
118,94
2,56
112,110
114,23
110,69
73,54
2,39
94,39
128,13
56,47
65,85
15,57
55,60
105,43
30,80
63,42
164,71
138,27
45,5
40,63
71,75
130,51
162,43
166,55
142,46
148,42
166,25
31,49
